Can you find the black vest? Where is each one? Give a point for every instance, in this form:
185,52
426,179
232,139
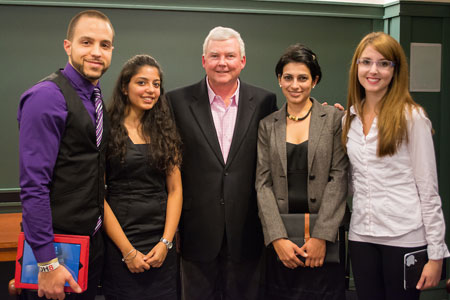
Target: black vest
77,188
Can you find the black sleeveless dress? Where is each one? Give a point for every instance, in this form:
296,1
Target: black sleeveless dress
282,283
138,197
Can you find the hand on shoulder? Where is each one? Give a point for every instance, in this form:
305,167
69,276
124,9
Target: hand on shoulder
336,105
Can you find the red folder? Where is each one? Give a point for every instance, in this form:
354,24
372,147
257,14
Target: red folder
72,252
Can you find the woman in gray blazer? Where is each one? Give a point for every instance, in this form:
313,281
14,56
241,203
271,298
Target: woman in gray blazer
301,168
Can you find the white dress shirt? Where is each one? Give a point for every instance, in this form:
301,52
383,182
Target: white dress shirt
395,198
224,117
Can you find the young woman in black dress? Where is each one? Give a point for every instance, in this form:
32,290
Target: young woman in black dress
144,195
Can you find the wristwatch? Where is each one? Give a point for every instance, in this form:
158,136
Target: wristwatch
167,243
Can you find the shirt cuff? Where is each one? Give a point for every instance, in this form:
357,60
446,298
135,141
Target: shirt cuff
45,253
437,252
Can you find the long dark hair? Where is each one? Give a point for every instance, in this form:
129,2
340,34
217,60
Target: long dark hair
158,125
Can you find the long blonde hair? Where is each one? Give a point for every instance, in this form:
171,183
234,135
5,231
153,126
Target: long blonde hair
392,129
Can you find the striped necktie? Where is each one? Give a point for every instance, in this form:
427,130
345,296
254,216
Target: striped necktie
99,114
98,133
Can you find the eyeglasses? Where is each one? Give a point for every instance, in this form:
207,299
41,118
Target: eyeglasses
381,64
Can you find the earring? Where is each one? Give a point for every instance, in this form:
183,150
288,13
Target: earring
314,86
280,85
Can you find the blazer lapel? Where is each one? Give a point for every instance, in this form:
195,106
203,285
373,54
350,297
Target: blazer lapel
246,109
318,115
201,109
279,127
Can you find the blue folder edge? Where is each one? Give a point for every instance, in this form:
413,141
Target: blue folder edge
68,255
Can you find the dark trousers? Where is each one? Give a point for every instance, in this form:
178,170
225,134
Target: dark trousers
96,255
221,279
378,271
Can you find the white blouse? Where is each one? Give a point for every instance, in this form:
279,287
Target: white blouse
395,198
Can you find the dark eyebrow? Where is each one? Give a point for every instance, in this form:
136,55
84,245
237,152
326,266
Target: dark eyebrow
301,74
145,78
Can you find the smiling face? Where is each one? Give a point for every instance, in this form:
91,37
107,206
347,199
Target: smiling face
90,49
375,80
296,83
223,63
144,89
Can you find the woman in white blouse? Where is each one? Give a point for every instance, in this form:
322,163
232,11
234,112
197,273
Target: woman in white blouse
396,205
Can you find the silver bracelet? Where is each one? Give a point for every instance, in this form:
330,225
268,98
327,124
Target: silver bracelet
124,259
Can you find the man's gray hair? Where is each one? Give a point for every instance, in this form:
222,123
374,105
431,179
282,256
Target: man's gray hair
220,33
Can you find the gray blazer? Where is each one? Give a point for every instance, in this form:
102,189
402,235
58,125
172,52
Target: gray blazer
327,173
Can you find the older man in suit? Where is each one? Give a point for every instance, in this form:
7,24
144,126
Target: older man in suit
221,238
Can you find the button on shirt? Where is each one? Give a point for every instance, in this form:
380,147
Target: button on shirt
224,118
42,116
395,198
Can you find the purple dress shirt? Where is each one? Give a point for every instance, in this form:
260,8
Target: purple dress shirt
42,117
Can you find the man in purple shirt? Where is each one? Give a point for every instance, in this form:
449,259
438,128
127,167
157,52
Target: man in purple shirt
63,134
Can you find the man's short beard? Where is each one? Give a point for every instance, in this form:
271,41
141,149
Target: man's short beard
79,68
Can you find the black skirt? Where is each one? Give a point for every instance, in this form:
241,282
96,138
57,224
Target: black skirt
120,284
282,283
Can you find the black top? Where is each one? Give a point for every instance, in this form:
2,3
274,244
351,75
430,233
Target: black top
297,175
137,196
77,189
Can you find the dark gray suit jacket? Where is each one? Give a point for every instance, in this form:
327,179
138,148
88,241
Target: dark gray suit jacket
327,173
219,197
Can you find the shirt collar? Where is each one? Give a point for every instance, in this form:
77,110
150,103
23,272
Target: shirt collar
234,98
81,84
352,110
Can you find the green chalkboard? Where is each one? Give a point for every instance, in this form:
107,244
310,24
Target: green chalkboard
31,46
